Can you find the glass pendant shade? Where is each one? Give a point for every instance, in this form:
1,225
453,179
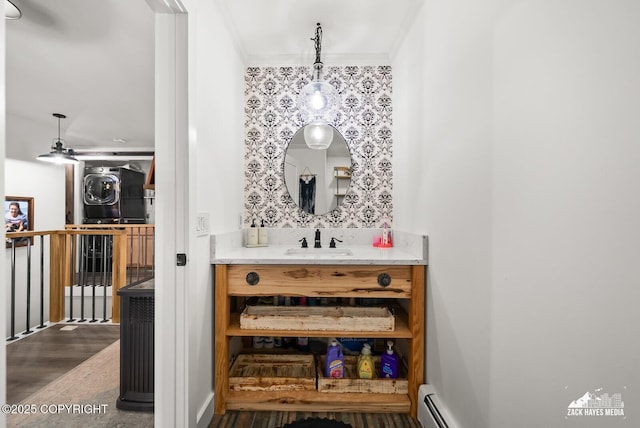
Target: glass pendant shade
318,100
318,135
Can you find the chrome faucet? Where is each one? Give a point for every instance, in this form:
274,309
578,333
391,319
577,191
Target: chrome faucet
317,240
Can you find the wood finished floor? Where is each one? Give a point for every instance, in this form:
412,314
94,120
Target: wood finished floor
233,419
36,360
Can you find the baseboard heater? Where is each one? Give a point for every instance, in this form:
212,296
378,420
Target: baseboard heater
431,413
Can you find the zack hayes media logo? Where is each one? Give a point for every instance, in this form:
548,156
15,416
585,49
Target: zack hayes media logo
597,403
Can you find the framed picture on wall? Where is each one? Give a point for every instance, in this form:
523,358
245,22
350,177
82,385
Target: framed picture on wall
18,217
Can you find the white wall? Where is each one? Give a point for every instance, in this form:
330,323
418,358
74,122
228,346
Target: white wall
442,140
216,95
20,144
515,120
566,181
46,184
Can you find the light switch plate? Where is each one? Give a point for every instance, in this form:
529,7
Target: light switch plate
202,224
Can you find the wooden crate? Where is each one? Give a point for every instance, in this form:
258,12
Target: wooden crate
351,383
317,318
273,372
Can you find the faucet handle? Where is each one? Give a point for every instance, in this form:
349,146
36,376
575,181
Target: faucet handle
304,242
332,244
317,243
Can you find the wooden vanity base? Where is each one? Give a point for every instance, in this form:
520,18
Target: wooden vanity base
314,401
399,283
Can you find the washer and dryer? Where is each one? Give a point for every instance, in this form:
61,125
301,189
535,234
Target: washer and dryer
113,195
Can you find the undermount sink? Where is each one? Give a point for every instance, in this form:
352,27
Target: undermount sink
323,252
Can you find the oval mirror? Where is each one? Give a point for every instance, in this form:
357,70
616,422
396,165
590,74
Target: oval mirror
317,180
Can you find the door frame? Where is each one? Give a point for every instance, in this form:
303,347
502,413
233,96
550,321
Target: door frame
171,377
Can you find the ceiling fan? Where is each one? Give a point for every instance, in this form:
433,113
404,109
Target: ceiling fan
11,11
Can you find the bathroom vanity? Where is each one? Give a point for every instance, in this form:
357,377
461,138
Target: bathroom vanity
357,273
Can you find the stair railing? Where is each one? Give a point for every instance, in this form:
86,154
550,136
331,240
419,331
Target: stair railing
126,257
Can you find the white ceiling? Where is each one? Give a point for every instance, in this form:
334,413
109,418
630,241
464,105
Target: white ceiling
277,31
92,60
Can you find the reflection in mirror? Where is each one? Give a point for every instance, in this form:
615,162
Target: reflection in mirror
317,180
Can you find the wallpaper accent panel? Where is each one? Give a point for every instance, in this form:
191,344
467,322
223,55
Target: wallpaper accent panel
364,119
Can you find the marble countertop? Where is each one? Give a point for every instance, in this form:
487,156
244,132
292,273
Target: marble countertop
284,248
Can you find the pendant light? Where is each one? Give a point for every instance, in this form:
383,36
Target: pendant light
318,103
11,11
318,135
58,153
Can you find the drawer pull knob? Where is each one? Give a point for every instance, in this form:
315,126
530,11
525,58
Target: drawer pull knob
384,280
253,278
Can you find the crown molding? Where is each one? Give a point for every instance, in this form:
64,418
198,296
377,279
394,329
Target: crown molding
328,60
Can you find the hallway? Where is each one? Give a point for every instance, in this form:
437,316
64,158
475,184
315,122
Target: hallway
38,359
68,375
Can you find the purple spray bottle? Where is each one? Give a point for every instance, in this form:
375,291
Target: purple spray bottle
334,365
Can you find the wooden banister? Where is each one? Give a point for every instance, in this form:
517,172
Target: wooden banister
119,274
61,259
62,271
57,251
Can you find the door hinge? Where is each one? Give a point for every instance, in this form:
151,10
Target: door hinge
181,259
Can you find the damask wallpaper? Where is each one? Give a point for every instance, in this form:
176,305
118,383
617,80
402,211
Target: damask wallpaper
364,120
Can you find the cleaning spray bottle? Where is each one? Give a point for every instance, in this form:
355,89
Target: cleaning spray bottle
365,363
334,364
389,362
